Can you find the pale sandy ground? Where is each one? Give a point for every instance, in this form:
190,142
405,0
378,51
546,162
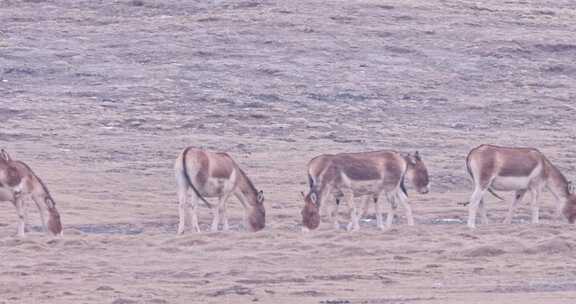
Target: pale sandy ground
100,96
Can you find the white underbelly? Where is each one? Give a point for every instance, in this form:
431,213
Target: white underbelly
510,183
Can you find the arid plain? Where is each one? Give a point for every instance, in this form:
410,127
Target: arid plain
99,97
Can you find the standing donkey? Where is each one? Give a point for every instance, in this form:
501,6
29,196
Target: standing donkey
203,174
521,170
349,175
18,181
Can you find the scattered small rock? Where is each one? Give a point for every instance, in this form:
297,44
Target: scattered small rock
335,302
236,289
483,251
123,301
555,245
311,293
136,3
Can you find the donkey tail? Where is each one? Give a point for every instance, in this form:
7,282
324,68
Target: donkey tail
495,195
189,181
469,170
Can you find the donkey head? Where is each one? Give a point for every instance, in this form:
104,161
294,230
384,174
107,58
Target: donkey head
257,218
569,209
310,212
54,223
418,173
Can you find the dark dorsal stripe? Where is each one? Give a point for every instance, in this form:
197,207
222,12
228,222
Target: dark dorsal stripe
248,182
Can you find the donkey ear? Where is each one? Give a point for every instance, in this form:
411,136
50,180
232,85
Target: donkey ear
5,155
417,155
260,196
314,198
409,158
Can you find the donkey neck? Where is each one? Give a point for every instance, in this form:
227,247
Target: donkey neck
325,182
556,181
246,189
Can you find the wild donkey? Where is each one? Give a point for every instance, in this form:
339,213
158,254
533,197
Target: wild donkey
210,174
18,181
516,169
349,175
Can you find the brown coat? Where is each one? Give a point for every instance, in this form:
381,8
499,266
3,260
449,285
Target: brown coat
18,181
514,169
215,174
349,175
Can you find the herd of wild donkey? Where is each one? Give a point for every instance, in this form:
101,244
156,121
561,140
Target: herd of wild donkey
344,176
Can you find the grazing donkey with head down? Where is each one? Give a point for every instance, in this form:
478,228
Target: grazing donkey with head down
349,175
516,169
18,181
210,174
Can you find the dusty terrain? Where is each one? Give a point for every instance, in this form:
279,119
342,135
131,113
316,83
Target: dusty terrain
100,96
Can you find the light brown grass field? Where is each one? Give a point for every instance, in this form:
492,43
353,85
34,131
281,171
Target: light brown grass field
100,96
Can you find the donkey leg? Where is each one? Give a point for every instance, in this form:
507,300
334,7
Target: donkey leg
194,210
21,210
406,205
215,217
245,220
365,207
483,213
354,224
225,225
392,210
41,212
535,205
194,216
519,195
182,210
245,214
332,213
221,208
558,214
558,211
473,208
379,219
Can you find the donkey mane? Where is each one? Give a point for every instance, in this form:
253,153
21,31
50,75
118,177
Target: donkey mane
48,195
247,180
554,170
